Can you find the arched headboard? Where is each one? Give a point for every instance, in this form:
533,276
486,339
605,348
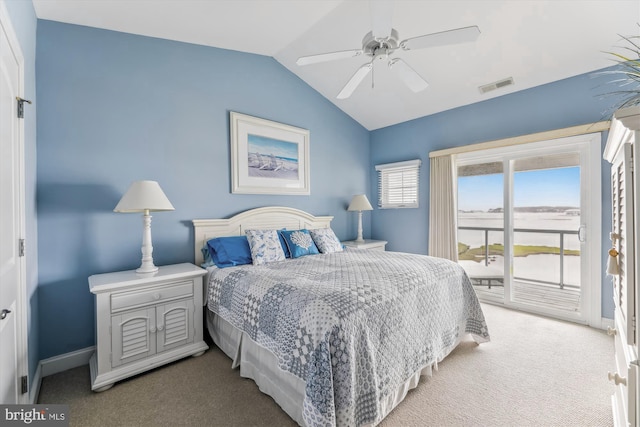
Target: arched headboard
272,217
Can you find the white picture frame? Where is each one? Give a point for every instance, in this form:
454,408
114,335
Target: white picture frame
268,157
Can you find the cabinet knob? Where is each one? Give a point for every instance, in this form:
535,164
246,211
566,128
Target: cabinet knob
160,327
617,379
156,296
152,330
611,331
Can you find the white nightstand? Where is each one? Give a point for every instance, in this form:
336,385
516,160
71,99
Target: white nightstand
378,245
145,321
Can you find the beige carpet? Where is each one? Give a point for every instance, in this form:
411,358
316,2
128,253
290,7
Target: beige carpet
534,372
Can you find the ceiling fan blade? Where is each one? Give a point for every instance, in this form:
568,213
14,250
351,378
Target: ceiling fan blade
355,80
331,56
381,16
408,75
460,35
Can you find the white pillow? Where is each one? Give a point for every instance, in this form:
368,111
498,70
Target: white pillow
265,246
326,240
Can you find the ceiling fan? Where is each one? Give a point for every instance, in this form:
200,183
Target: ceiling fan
382,41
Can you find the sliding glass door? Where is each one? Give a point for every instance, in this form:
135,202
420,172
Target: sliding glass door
481,227
529,226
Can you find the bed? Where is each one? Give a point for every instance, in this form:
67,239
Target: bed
336,338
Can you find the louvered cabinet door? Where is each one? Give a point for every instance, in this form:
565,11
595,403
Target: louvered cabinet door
133,336
175,324
623,227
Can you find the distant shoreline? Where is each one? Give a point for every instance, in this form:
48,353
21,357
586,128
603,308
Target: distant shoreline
531,209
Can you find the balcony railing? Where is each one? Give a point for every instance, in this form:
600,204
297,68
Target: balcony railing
561,234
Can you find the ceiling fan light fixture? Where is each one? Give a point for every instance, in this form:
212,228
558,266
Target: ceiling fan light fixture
382,41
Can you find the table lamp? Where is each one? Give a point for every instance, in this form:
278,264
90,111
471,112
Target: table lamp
145,196
360,203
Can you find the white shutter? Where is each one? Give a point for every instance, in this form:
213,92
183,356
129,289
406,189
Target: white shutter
622,216
398,184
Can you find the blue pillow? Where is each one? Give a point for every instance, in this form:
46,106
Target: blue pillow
230,251
299,243
287,254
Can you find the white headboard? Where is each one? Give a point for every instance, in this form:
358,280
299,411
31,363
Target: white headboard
272,217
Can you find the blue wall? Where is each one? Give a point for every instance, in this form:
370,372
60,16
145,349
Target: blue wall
115,108
565,103
24,23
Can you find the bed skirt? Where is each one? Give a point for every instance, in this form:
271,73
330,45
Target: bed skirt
261,365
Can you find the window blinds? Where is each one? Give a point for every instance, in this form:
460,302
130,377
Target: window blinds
398,184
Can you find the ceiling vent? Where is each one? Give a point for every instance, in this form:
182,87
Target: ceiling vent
496,85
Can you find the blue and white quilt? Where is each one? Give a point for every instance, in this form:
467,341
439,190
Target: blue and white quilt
353,325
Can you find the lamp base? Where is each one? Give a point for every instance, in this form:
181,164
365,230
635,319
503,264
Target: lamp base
146,266
359,239
146,270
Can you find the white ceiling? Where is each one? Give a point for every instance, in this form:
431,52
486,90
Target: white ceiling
535,42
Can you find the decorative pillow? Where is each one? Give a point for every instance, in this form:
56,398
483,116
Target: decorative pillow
229,251
208,262
326,240
299,243
287,254
265,246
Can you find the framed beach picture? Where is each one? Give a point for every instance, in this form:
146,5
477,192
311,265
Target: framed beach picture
268,157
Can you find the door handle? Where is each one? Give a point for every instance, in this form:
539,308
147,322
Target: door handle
581,233
4,314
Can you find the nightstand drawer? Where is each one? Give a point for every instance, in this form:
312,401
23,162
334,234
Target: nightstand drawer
132,299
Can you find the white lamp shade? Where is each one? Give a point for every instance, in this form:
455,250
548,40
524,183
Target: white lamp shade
142,196
360,203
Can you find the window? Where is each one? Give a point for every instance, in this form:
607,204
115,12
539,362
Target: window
398,184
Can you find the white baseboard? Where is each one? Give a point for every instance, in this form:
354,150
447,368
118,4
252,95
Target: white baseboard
56,364
66,361
34,390
606,323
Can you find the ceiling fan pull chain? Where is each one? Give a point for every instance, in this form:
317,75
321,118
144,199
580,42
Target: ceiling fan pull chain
372,72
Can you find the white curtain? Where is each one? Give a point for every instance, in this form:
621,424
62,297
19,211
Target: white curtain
443,229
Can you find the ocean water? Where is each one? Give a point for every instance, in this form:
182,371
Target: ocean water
539,267
537,221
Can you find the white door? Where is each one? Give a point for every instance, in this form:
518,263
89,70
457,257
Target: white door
10,221
529,226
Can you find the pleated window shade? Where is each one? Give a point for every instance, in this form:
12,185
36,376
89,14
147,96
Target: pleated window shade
398,184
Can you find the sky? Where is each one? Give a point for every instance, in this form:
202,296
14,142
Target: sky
264,145
547,187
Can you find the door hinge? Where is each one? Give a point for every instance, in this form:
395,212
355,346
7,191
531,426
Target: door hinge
24,384
21,106
21,247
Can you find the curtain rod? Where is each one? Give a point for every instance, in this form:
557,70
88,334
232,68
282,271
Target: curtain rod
524,139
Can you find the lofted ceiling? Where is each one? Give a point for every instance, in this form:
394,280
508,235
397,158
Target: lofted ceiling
534,42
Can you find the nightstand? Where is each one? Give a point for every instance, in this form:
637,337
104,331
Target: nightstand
145,320
378,245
